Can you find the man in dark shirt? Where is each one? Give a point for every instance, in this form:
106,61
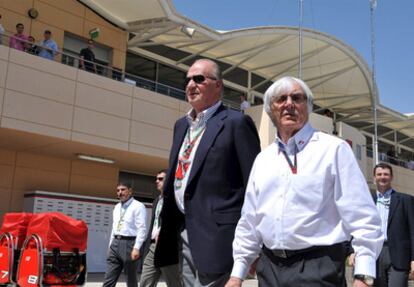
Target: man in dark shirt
87,58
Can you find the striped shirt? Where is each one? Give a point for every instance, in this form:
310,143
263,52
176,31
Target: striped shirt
383,207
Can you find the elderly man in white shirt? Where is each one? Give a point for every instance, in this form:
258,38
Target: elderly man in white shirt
305,198
128,234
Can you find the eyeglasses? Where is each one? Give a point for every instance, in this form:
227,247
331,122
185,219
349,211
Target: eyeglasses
295,98
159,178
198,79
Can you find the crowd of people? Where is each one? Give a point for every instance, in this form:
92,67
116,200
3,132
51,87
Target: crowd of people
47,48
295,210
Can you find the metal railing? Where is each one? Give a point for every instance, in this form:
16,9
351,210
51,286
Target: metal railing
115,73
394,160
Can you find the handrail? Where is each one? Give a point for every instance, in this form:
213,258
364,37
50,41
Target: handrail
119,75
394,160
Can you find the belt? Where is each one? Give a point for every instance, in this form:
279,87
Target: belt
152,240
122,237
284,254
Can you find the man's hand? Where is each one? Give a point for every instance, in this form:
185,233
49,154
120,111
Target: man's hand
351,259
359,283
234,282
134,254
411,274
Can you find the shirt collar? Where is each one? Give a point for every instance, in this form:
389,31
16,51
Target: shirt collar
299,140
202,117
386,194
127,203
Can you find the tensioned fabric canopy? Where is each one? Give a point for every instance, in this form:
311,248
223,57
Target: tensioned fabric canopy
339,78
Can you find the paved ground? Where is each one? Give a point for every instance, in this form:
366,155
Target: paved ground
95,280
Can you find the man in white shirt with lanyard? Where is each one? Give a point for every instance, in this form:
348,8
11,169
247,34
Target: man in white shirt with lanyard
305,198
128,233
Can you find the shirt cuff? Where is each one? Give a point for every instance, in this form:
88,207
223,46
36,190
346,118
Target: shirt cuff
239,270
365,265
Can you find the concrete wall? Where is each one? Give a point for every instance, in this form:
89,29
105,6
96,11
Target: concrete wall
51,99
21,172
59,16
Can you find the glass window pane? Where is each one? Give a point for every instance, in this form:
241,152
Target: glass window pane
140,66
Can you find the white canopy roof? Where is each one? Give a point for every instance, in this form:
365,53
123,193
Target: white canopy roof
339,78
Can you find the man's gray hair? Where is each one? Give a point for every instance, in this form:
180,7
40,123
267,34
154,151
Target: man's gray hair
281,86
216,68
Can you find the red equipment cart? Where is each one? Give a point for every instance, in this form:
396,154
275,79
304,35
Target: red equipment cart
54,252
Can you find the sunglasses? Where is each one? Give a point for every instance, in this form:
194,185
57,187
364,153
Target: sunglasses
295,98
160,178
198,79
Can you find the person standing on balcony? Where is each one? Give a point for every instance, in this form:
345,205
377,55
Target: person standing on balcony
210,160
128,234
305,198
244,104
47,48
31,46
18,40
87,58
151,274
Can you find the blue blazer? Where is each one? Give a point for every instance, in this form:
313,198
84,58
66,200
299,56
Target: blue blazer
400,230
214,194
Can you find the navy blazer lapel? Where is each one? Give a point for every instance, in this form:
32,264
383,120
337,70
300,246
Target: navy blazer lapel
395,201
180,132
214,125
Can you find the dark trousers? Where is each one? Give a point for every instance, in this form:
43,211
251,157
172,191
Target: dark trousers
387,275
119,258
321,267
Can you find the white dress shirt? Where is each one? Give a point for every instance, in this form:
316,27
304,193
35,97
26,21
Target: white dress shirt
325,203
130,219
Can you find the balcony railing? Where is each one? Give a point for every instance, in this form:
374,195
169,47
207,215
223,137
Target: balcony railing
116,73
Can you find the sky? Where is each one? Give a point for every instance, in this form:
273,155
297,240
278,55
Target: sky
347,20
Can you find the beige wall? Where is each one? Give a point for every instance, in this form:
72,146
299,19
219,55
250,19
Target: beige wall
21,172
51,99
59,16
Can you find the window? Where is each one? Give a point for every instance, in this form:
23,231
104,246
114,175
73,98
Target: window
140,66
72,45
171,77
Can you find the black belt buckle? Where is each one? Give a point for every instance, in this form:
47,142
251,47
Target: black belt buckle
280,253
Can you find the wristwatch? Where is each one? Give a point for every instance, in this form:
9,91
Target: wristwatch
369,280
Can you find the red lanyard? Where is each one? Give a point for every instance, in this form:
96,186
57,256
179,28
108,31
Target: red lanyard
184,157
293,166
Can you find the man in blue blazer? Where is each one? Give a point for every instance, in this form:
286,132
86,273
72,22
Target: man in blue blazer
211,156
396,260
